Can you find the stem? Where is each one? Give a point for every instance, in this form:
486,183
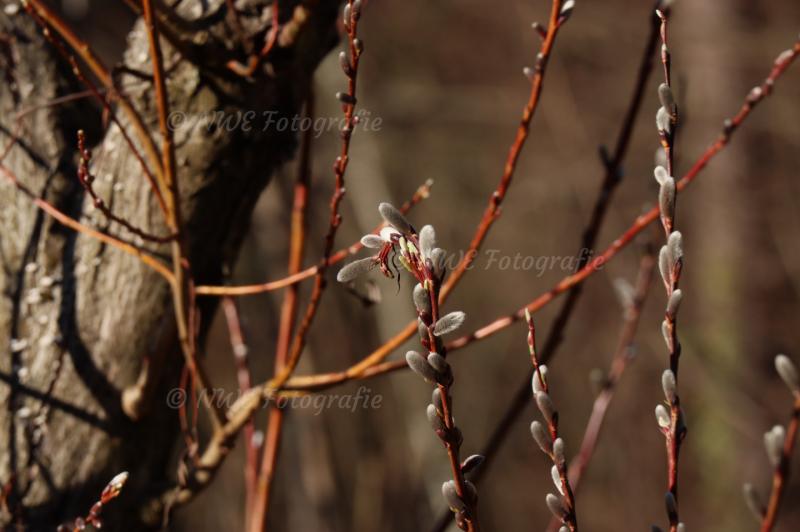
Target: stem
496,199
619,363
184,311
297,239
240,349
781,475
675,433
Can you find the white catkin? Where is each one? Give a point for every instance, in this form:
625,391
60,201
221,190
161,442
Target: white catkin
668,385
427,240
395,218
555,506
449,323
556,479
355,269
662,417
788,372
372,241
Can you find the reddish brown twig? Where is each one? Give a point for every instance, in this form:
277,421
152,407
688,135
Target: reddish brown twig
352,14
110,492
671,424
182,284
557,18
562,508
297,240
86,180
240,351
623,354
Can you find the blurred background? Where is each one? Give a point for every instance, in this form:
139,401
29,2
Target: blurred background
445,79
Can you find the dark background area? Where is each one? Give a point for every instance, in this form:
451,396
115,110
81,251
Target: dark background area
445,79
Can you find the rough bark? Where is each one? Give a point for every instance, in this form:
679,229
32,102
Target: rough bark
77,317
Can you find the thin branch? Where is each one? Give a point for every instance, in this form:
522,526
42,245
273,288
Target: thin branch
297,240
240,351
623,354
86,180
184,309
549,441
781,475
352,14
496,199
671,261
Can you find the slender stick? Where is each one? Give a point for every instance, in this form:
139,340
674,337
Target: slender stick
350,67
619,363
563,510
184,310
496,199
240,350
781,475
86,180
671,266
297,240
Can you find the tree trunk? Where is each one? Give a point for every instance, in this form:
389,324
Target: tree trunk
77,317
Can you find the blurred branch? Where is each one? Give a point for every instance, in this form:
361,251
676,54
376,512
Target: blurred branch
623,354
781,475
297,240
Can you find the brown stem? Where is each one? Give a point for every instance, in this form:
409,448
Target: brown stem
619,362
781,475
240,349
570,517
184,311
297,239
675,433
496,199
